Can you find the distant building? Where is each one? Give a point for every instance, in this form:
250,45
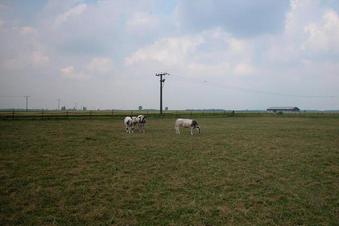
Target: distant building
283,109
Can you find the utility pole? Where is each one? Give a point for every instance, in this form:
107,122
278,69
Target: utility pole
58,104
26,102
161,85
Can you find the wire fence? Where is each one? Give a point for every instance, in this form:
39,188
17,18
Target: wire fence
48,114
119,114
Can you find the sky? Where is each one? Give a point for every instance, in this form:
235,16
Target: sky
227,54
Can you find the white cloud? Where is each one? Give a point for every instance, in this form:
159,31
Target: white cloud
311,31
300,14
27,30
96,66
26,61
211,52
141,22
69,72
243,69
39,58
100,65
237,46
73,12
323,36
168,51
23,49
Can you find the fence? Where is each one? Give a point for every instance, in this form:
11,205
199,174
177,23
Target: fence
119,114
46,114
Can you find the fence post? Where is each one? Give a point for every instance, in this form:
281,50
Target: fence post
112,112
42,114
13,114
67,114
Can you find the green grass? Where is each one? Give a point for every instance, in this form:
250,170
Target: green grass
238,171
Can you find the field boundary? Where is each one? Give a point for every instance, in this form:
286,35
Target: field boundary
65,115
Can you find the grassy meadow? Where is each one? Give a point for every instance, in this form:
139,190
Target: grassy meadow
238,171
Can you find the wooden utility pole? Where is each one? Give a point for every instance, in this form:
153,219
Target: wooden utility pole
161,86
58,104
27,102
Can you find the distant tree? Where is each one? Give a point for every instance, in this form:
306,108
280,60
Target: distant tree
63,108
140,108
166,108
84,108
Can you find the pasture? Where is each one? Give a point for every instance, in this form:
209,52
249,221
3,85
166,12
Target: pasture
238,171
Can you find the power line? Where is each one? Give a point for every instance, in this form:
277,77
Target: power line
26,98
256,91
12,96
264,92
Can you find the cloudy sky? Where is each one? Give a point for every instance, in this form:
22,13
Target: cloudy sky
231,54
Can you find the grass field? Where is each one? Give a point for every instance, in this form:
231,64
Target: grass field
238,171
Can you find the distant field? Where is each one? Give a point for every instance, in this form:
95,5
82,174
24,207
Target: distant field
239,170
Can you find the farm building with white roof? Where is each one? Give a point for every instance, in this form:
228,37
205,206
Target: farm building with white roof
283,109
